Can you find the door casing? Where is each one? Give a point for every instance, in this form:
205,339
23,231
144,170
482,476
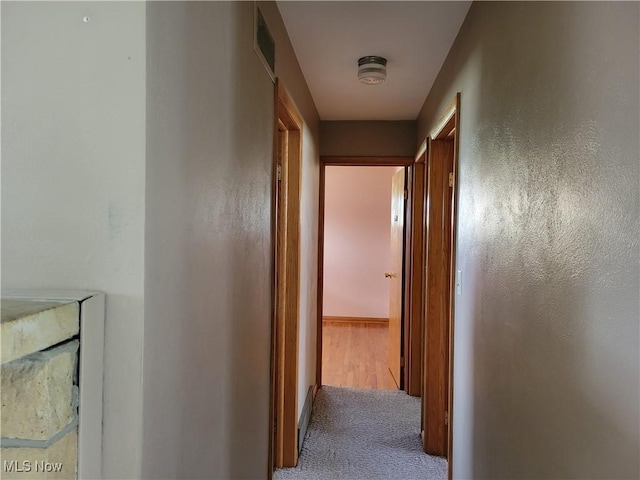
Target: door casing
438,335
364,161
287,168
415,276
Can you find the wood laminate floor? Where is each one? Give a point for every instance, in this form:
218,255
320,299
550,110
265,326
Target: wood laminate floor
355,355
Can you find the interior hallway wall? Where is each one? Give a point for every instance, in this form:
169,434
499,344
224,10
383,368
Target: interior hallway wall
209,268
169,211
368,138
289,73
73,180
546,335
357,236
207,263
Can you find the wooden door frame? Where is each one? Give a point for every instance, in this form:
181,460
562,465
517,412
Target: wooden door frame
455,132
415,276
353,161
283,442
447,128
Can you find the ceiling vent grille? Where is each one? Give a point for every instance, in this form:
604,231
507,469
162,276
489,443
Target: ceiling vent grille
263,43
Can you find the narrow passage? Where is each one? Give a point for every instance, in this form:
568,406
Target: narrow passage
360,434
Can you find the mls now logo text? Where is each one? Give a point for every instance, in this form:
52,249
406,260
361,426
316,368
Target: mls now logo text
29,466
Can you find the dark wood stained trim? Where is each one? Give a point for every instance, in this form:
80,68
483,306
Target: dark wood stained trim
320,294
436,328
440,287
367,161
416,286
407,279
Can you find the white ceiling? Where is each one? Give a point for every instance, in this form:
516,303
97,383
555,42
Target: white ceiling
329,37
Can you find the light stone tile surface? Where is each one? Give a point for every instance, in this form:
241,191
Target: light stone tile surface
64,452
38,393
29,326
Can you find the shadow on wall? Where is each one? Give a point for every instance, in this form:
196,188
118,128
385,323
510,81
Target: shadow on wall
548,244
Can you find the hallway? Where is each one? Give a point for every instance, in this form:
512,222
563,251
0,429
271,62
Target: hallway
140,159
364,434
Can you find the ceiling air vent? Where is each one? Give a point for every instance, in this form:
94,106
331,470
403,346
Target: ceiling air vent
264,45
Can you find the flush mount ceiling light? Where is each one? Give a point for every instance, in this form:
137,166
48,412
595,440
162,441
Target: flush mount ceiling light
372,70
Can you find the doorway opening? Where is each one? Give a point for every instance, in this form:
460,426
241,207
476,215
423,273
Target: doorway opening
396,276
363,260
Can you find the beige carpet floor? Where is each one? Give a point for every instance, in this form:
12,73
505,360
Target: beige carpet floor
359,434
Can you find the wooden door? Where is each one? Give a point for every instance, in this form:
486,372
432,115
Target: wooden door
437,298
395,275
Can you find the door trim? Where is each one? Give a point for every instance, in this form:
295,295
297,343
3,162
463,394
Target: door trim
283,443
447,128
415,279
455,193
365,161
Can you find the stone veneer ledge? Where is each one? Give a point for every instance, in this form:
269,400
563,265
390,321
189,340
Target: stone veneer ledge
29,326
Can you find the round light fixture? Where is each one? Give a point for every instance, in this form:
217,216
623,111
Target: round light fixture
372,70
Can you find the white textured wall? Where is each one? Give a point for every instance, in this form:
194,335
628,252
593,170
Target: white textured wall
357,239
73,179
546,333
